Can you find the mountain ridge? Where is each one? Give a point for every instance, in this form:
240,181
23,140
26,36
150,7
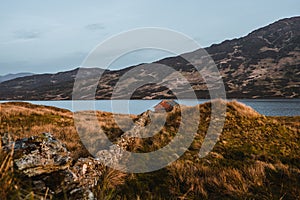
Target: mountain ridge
11,76
263,64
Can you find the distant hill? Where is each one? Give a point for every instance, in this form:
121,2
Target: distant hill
42,86
13,76
263,64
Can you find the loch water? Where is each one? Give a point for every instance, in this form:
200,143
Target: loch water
268,107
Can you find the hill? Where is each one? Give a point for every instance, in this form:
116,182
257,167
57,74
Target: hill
263,64
13,76
256,156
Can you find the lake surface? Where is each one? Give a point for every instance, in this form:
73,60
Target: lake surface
269,107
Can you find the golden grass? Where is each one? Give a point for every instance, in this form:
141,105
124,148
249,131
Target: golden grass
6,173
188,180
256,157
28,109
243,110
24,120
107,184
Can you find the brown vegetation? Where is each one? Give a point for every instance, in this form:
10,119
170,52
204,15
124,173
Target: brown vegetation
256,157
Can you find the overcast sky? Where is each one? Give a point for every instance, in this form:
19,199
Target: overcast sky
50,36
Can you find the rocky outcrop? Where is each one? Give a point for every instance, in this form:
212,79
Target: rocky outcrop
165,106
114,154
47,163
41,154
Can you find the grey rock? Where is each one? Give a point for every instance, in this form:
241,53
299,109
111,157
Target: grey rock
47,163
41,154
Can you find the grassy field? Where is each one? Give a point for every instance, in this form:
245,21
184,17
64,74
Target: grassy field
256,157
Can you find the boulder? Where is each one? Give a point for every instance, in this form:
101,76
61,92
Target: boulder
41,154
47,164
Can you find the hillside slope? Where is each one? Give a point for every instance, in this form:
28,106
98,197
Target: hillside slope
256,157
13,76
263,64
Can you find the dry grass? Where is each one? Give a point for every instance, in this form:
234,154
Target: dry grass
190,180
24,120
242,110
27,109
186,178
107,184
6,174
256,157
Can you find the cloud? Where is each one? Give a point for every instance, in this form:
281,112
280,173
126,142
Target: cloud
95,27
27,34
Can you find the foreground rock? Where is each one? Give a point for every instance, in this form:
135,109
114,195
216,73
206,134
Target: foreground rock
46,162
41,154
46,165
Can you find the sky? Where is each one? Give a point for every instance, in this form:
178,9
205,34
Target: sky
51,36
